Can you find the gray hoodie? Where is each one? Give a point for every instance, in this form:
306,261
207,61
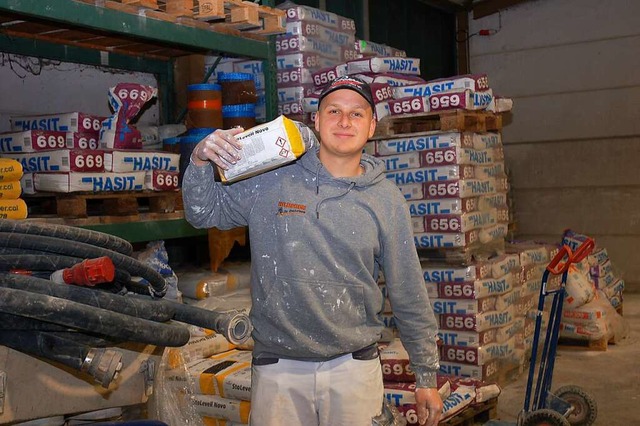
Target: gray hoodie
318,244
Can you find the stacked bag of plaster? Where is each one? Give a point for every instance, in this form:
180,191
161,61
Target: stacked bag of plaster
314,40
456,393
592,295
77,152
456,187
470,92
475,308
11,175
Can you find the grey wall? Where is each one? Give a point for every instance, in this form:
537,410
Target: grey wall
53,87
573,142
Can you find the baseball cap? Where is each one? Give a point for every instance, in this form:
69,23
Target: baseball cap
352,83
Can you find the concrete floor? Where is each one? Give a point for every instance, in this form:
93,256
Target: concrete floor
611,377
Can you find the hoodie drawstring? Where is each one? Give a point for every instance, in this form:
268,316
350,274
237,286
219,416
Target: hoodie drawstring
351,186
318,178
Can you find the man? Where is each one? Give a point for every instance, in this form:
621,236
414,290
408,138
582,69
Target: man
321,231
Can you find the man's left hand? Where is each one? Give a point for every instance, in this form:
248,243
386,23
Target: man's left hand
428,406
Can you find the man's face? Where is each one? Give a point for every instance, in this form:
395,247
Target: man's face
345,123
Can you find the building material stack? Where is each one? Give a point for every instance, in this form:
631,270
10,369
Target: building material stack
11,175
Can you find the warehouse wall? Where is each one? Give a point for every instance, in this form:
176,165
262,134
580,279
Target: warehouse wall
30,86
572,68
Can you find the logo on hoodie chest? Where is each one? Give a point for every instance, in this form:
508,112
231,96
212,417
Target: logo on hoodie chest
287,209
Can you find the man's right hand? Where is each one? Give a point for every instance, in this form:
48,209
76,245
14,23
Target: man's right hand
221,147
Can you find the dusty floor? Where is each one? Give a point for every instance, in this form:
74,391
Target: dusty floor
611,377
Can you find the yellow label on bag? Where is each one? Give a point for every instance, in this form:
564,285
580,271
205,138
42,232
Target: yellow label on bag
13,209
10,170
10,190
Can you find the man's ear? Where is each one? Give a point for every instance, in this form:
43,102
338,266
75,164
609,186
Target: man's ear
316,121
372,127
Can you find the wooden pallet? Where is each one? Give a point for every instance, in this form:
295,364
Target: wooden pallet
460,120
82,205
475,414
600,345
224,15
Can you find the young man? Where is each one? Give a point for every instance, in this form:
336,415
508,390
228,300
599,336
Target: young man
322,229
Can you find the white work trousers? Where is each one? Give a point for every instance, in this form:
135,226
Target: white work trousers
342,391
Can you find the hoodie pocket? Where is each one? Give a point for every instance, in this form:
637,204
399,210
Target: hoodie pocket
317,314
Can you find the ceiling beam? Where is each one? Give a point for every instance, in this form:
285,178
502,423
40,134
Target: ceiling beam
489,7
444,5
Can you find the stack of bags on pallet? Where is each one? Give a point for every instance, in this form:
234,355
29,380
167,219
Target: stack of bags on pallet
11,205
72,152
314,40
399,386
593,293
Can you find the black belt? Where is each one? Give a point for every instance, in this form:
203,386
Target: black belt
365,354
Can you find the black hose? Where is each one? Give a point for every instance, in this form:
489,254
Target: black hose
158,285
50,263
18,323
91,319
103,365
113,302
66,232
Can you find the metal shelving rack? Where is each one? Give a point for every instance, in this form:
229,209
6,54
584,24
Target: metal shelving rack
81,32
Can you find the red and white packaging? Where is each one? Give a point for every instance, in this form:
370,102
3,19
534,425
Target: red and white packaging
127,100
436,273
423,207
484,372
310,61
500,104
463,306
491,171
467,355
395,363
326,75
310,104
381,92
92,182
382,110
467,338
402,394
459,188
293,77
477,289
506,334
419,142
61,160
464,222
462,99
530,253
477,322
474,82
63,122
505,264
386,64
320,32
291,108
161,180
294,93
484,391
413,105
444,240
76,140
327,19
287,43
32,141
455,155
133,161
430,174
348,54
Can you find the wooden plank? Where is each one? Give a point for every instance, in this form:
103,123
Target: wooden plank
470,121
582,163
587,66
599,114
550,23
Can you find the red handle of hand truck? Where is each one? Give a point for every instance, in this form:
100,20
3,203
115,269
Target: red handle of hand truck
583,250
555,267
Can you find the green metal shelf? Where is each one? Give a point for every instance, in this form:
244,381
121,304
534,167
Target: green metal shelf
39,27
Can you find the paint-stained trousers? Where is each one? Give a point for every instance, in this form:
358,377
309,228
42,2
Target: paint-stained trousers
342,391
